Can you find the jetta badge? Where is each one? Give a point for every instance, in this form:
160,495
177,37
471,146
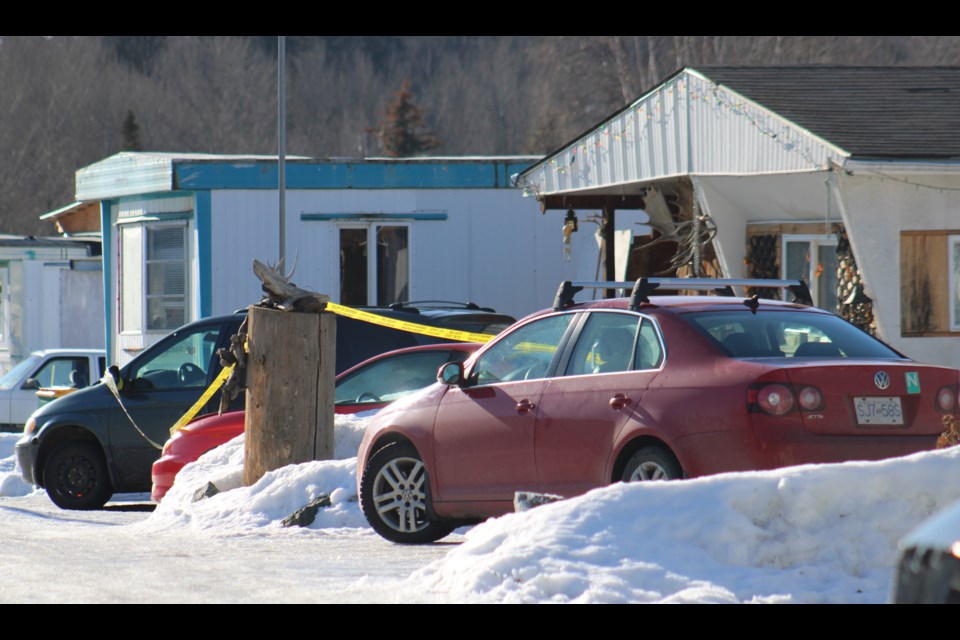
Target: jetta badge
881,379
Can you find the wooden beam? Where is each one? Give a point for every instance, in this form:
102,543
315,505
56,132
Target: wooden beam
569,201
609,248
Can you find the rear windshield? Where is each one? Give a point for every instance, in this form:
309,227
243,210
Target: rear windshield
787,334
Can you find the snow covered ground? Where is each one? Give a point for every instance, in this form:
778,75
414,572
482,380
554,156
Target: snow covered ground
807,534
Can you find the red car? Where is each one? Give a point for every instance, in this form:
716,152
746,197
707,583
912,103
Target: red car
582,395
372,384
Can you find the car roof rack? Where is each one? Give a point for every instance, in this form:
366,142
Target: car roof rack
643,288
441,304
414,306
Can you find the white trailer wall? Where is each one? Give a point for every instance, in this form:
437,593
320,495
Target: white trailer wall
494,248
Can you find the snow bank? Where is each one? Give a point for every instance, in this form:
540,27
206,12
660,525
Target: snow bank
818,533
11,483
807,534
271,499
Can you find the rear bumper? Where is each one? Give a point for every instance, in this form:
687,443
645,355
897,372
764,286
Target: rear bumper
773,443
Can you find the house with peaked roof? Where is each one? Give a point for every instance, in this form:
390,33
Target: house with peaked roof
181,231
848,177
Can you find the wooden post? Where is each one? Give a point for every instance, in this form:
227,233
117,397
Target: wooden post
290,373
610,264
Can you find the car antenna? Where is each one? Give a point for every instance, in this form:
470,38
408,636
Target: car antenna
753,303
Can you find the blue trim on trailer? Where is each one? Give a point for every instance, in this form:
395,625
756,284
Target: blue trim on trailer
153,195
307,217
171,216
204,223
106,232
347,175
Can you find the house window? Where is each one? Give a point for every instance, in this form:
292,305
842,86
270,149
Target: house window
153,274
930,282
813,259
379,276
166,267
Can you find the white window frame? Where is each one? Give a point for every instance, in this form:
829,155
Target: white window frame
142,264
953,260
814,242
4,303
372,273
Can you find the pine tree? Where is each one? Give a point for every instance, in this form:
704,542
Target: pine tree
403,131
131,133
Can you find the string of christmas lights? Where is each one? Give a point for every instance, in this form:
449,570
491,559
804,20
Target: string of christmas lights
918,185
659,109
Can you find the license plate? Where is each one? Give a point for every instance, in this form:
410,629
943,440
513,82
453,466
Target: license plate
878,410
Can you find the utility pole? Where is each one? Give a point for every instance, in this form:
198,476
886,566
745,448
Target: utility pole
282,142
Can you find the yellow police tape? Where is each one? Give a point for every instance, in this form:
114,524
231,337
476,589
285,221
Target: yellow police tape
212,389
356,314
410,327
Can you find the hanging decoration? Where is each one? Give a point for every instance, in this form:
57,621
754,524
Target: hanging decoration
856,307
570,227
661,107
761,262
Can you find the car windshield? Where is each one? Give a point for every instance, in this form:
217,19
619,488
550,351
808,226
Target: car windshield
13,376
787,334
394,377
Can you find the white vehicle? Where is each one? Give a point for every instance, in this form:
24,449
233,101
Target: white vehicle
76,368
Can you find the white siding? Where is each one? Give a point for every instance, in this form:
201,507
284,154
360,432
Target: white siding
688,125
495,248
877,208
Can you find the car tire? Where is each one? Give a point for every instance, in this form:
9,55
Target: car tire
395,497
75,476
650,464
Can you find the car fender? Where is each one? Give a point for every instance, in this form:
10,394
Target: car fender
411,419
638,431
63,427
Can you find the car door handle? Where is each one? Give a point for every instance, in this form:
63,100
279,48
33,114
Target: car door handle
525,406
619,401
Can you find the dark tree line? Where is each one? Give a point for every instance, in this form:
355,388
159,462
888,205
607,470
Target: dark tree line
66,102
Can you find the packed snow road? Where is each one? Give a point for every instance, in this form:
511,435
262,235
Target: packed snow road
105,556
227,550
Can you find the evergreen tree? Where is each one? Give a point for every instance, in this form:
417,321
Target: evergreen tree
131,133
403,131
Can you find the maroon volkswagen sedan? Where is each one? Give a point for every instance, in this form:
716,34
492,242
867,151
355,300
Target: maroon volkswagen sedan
645,388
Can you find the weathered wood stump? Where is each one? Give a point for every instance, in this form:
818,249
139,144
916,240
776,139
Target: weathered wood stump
290,391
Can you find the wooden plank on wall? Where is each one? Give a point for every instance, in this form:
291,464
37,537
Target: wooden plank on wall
924,283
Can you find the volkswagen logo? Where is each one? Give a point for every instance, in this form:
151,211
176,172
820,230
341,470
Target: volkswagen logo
881,379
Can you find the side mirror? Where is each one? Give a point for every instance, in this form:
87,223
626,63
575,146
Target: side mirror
451,373
31,383
114,372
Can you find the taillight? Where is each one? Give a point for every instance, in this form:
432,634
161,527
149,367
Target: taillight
946,399
810,399
775,399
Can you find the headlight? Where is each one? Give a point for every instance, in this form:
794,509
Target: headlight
30,426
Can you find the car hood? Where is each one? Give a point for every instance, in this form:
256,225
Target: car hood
91,398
